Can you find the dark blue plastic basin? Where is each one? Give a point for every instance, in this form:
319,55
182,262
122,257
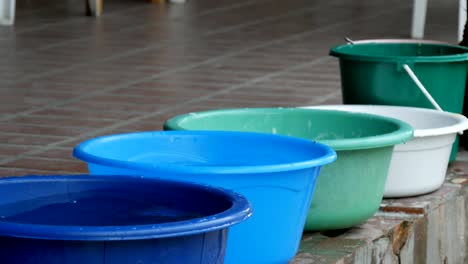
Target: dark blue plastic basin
114,220
276,173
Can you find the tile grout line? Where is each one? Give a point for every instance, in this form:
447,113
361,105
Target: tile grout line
324,98
87,118
75,109
76,20
205,13
25,134
15,145
38,10
253,81
48,159
143,96
155,113
209,12
263,20
36,171
157,46
134,51
132,120
191,66
195,100
54,126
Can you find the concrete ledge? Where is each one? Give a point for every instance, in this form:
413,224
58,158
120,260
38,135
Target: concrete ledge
424,229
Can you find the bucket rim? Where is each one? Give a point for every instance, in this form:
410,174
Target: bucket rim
400,40
238,212
403,133
327,155
460,126
339,52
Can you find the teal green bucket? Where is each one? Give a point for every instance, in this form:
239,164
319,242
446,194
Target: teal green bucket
349,191
372,73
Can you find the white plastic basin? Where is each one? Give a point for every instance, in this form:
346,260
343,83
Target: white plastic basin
418,166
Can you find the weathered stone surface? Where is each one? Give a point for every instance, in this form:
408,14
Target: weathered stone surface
421,204
408,251
425,229
446,233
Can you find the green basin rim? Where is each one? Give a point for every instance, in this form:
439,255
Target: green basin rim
401,134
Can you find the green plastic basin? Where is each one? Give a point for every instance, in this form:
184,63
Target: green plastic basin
349,191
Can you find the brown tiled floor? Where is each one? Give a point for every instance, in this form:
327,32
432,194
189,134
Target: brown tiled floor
65,77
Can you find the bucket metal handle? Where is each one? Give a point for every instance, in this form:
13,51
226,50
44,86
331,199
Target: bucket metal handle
421,87
350,41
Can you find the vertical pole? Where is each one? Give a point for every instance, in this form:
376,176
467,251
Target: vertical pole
419,18
94,7
7,12
461,18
